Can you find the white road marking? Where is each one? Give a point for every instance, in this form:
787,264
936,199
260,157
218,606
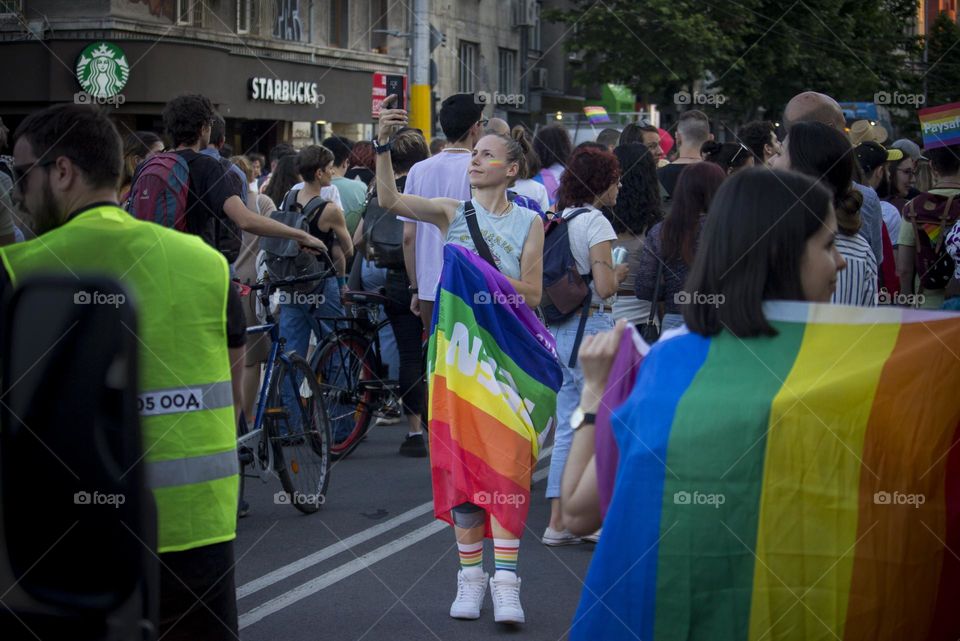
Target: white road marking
350,568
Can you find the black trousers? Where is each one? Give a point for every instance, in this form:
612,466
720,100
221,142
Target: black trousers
198,594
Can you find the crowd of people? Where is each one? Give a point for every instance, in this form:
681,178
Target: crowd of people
823,215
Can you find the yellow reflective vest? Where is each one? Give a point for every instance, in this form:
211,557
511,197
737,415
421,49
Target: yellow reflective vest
179,286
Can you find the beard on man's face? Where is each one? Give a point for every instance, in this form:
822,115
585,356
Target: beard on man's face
44,214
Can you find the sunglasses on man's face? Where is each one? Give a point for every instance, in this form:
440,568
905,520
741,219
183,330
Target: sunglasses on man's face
20,172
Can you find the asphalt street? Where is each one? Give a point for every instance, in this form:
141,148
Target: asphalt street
374,564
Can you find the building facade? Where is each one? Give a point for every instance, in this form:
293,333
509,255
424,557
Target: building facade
277,70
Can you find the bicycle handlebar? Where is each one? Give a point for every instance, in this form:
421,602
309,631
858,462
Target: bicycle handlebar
289,281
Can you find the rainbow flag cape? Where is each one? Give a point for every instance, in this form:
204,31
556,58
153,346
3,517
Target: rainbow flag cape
797,487
940,126
596,115
493,377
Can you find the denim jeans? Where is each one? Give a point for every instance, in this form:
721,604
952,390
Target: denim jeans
297,320
569,396
670,321
374,279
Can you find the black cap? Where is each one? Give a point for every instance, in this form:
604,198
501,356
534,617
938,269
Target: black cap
871,155
458,113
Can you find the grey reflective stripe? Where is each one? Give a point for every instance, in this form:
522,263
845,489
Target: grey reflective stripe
193,398
197,469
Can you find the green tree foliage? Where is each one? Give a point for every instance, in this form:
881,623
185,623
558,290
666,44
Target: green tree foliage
943,62
758,53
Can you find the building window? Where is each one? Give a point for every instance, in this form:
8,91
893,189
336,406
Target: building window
190,13
535,30
287,24
508,72
378,22
244,11
339,24
469,66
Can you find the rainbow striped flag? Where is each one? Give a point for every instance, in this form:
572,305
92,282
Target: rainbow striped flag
596,115
940,126
789,488
493,380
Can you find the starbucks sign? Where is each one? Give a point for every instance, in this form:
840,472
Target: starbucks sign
102,70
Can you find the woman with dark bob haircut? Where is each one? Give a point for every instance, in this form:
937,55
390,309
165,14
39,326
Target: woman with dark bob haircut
769,235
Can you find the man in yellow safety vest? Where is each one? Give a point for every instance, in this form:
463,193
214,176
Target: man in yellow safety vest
191,333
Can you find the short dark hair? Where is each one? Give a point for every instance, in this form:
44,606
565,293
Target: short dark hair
281,150
311,159
945,160
82,133
218,130
751,249
609,137
728,155
589,173
756,135
185,116
553,145
341,148
254,157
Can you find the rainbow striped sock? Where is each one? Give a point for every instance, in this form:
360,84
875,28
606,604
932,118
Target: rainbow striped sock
471,555
505,553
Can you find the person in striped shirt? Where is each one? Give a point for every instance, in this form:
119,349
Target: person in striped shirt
824,153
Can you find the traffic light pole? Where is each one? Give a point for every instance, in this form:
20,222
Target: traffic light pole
420,101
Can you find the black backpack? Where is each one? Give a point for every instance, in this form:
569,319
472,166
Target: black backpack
565,290
284,258
383,235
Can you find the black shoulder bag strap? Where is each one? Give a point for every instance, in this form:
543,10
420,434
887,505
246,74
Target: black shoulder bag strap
585,311
483,250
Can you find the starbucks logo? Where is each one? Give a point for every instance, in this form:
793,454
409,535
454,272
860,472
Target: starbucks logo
102,69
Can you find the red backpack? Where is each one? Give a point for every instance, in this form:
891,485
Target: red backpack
932,216
159,191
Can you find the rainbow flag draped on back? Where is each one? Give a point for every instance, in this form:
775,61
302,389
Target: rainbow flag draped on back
798,487
493,379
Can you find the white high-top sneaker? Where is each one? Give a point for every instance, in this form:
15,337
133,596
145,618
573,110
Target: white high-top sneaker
470,591
506,598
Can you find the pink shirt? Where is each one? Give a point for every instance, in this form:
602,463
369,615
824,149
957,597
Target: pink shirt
441,176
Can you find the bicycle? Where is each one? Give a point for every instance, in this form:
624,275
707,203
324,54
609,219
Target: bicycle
296,451
351,372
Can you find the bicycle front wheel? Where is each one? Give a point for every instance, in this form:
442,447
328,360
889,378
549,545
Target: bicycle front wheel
299,431
346,370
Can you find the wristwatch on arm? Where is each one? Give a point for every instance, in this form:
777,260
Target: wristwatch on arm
579,418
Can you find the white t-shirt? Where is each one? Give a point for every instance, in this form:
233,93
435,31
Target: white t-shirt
892,219
441,176
586,230
536,191
329,193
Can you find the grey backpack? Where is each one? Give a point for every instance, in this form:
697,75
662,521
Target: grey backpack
283,258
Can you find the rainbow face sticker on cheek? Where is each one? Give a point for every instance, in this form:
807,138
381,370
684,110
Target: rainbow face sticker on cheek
497,163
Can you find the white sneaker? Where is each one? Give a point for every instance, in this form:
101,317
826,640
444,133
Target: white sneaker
470,592
506,598
554,538
593,538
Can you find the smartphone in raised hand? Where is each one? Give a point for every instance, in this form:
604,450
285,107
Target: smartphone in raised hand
395,88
